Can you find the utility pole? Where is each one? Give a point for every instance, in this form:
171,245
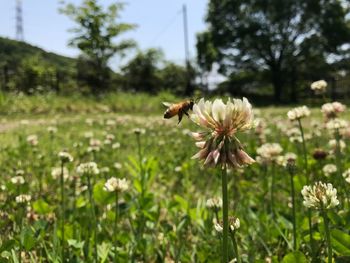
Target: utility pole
189,87
19,21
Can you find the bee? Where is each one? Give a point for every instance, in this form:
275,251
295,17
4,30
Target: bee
179,109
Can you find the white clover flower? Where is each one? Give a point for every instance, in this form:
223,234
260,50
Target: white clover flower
346,175
117,165
320,196
89,121
17,180
333,144
88,134
52,129
233,222
336,124
65,157
332,110
104,170
219,145
56,173
23,199
298,113
319,86
111,122
287,159
214,203
139,131
269,152
19,172
329,169
32,140
116,145
116,185
88,168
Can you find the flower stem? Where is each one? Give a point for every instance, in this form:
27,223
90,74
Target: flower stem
235,247
224,216
272,188
293,211
307,181
328,237
62,210
115,227
92,204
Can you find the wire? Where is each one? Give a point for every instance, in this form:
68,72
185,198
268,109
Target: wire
166,27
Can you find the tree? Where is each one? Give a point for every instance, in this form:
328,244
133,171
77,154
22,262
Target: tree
95,33
273,35
141,73
173,78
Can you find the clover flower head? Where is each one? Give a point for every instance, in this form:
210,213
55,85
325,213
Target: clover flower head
298,113
329,169
116,185
233,222
319,86
88,168
214,203
320,196
331,110
222,121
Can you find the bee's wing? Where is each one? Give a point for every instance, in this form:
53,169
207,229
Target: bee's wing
167,104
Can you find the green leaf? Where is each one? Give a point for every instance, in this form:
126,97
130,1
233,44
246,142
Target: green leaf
27,238
101,196
294,257
103,251
340,242
75,244
41,207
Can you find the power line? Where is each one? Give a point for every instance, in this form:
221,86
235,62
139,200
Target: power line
166,27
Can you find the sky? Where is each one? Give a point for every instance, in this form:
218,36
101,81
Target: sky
159,23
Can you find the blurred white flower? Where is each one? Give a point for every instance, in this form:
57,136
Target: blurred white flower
32,139
218,144
320,196
56,173
336,124
116,185
333,145
346,175
65,157
17,179
214,203
298,113
319,86
234,224
269,152
117,166
332,110
23,199
329,169
88,168
52,129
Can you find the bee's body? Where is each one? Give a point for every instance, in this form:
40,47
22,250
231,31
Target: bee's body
178,109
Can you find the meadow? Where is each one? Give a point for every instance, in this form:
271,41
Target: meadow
58,153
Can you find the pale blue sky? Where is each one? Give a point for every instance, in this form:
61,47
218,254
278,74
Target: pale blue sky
159,24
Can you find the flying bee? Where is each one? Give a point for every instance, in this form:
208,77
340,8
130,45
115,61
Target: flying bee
178,109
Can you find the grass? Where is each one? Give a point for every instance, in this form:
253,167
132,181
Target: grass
163,216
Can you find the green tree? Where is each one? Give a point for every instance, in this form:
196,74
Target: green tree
173,78
273,35
141,73
95,33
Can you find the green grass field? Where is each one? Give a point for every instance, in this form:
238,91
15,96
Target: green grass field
163,216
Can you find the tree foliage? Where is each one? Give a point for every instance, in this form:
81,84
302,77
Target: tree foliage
94,36
282,37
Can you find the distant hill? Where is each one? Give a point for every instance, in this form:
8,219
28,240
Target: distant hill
13,52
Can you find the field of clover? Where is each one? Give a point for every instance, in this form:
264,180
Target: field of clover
265,185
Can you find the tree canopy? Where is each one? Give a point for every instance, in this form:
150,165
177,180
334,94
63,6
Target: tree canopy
281,37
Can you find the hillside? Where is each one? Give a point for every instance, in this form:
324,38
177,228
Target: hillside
12,52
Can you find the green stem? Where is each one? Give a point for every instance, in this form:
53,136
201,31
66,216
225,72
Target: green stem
224,216
20,234
235,247
328,237
272,188
92,204
62,210
307,181
293,211
115,227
